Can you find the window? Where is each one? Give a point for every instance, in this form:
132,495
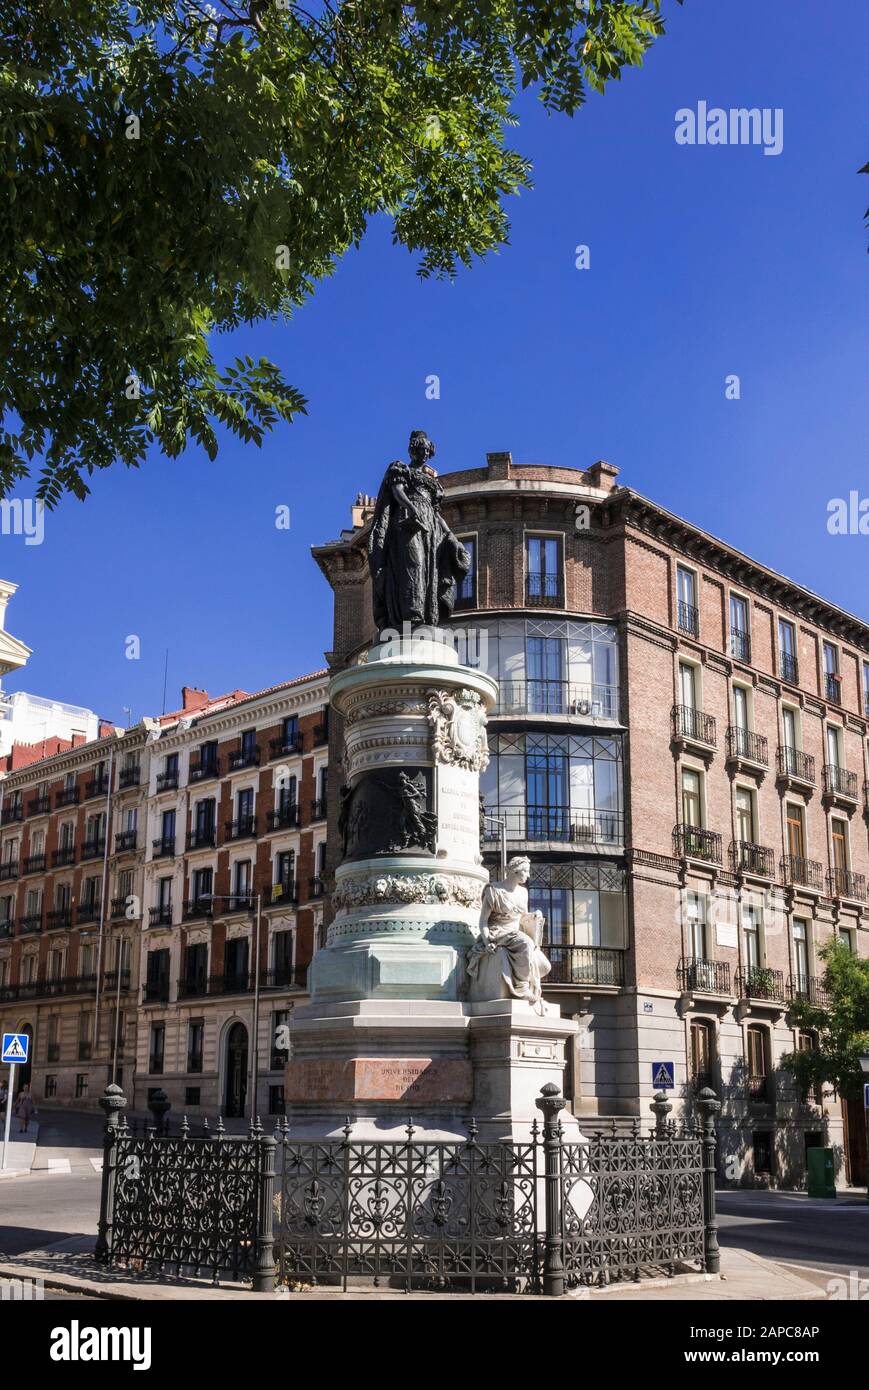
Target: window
195,1038
287,793
167,829
740,637
757,1042
751,938
740,707
170,766
692,800
67,834
208,756
866,688
687,616
848,938
322,784
832,679
157,976
543,570
192,1095
697,927
156,1049
195,969
164,894
321,859
545,666
839,839
203,880
787,652
85,1032
125,883
761,1144
7,908
81,1085
50,1087
745,818
285,864
55,970
204,819
702,1051
248,743
235,962
244,809
243,875
796,831
291,731
789,727
801,955
467,594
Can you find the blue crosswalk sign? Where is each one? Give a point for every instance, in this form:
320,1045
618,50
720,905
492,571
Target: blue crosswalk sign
663,1075
15,1047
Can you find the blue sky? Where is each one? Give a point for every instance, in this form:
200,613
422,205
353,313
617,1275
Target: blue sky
704,261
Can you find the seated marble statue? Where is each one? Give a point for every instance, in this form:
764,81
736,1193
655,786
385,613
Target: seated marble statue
506,960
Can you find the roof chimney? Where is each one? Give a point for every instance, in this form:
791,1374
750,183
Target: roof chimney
362,510
499,465
192,698
602,475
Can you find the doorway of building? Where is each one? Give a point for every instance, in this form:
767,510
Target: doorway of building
235,1093
855,1142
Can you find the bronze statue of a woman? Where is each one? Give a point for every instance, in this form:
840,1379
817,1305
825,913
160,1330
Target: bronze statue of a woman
416,562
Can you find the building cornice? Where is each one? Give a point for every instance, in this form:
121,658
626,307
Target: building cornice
299,699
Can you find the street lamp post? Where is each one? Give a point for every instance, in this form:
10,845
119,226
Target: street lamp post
864,1064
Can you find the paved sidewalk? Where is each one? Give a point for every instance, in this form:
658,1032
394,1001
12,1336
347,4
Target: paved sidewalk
68,1266
22,1148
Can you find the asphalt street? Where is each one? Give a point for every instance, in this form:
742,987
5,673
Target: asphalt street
830,1236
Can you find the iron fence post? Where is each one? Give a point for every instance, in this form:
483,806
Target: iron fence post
708,1105
112,1102
661,1108
264,1270
551,1102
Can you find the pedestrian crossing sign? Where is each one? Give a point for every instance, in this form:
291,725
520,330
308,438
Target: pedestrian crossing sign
15,1047
663,1075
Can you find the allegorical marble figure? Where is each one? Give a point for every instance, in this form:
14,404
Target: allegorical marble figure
506,924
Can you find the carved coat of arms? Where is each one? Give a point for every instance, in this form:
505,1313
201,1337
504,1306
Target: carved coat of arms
458,723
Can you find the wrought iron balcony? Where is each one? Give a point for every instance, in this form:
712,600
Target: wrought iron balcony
693,725
129,777
63,856
792,763
110,980
788,667
315,887
284,818
318,809
687,618
59,917
805,873
167,781
163,847
192,987
235,982
203,771
201,838
119,906
808,988
841,883
759,982
93,849
693,842
161,916
67,796
556,823
155,992
33,864
839,782
543,590
243,757
39,805
285,977
284,894
7,925
199,907
833,687
281,747
8,870
125,840
241,829
30,922
69,984
87,912
97,786
238,902
758,1089
740,644
701,976
748,858
12,813
563,699
745,744
584,965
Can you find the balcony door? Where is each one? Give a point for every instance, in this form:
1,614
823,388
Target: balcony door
547,774
796,831
801,954
687,686
745,815
545,665
692,807
697,934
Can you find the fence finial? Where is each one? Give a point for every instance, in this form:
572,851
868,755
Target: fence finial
660,1108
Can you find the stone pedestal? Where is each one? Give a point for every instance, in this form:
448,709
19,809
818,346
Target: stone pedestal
390,1034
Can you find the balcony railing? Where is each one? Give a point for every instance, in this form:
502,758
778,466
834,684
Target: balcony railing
199,907
560,698
703,976
241,829
808,988
63,856
129,777
281,747
584,965
192,988
69,984
97,786
110,980
125,840
285,977
757,1089
315,887
740,644
119,907
243,757
792,763
238,902
12,813
30,922
543,590
163,847
204,771
87,912
284,893
201,838
67,796
234,982
284,818
748,858
842,883
693,724
788,667
745,743
167,781
161,916
693,842
93,849
687,618
556,823
39,805
838,781
806,873
156,992
759,982
8,870
833,687
33,864
318,809
59,917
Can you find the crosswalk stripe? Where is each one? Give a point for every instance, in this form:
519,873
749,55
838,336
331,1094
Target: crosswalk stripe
59,1165
97,1165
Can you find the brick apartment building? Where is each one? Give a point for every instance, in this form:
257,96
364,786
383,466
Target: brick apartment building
134,951
680,748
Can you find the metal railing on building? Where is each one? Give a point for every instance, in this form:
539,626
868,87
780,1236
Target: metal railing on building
791,762
698,975
694,724
693,842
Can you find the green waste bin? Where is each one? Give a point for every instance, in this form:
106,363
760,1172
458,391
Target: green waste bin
822,1173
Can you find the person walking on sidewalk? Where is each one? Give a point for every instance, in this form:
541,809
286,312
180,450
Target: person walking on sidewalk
24,1108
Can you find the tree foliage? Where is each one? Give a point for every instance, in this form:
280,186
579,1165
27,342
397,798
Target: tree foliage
172,169
841,1027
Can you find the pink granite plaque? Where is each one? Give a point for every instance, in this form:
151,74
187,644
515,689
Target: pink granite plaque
410,1080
